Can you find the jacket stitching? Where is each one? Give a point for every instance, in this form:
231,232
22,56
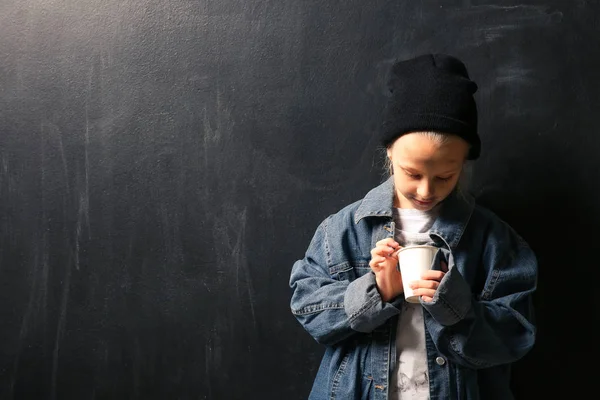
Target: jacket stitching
338,375
455,314
363,308
317,308
326,240
455,347
487,291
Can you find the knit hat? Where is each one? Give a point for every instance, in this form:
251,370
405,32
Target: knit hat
432,92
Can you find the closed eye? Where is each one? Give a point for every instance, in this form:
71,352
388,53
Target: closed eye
413,176
418,177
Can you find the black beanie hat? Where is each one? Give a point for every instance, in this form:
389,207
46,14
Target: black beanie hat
431,92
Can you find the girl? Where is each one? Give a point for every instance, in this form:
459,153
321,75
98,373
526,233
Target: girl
475,313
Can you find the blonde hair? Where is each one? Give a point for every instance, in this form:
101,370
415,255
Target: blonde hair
439,138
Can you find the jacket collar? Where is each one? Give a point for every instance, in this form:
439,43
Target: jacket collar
456,211
378,202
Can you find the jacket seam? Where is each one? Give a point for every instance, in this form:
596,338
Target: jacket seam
465,357
326,240
315,308
488,289
336,379
454,313
357,313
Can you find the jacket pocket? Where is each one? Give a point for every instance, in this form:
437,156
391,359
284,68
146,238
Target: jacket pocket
349,271
352,379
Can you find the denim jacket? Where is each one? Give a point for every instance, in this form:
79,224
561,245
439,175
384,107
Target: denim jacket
479,321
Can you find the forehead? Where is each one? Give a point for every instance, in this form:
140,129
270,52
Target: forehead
415,148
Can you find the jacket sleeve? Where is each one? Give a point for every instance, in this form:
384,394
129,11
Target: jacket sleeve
495,326
332,310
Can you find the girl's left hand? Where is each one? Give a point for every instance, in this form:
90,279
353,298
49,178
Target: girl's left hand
430,281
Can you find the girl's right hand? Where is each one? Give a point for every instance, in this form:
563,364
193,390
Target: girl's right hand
384,263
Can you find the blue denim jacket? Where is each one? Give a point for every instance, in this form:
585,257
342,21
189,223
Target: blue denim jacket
479,321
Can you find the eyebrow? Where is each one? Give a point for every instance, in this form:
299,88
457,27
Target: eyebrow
409,169
416,171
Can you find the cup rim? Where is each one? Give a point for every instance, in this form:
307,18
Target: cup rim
417,246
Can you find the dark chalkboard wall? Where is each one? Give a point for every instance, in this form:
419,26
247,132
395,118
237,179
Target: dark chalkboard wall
164,163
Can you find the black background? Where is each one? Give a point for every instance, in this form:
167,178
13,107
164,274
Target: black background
164,163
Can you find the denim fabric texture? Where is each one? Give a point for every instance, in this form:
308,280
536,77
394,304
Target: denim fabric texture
480,320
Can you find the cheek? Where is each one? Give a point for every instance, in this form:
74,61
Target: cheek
447,187
403,184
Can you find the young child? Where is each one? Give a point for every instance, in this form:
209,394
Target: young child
475,314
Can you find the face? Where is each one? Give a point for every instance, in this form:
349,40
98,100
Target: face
425,171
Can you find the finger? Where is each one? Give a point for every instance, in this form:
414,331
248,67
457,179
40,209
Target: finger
378,259
424,284
386,265
376,266
388,242
393,253
424,293
375,261
433,275
383,250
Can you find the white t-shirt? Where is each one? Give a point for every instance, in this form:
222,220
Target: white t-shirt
410,379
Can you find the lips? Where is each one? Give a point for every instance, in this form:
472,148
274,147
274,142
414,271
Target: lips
423,203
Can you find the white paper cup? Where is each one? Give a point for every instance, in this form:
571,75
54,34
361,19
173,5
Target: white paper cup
413,261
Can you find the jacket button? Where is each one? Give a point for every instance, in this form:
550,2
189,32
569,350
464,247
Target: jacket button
440,361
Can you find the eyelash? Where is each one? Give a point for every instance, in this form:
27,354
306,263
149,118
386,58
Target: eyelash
412,176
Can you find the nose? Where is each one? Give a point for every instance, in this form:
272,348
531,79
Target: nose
425,189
